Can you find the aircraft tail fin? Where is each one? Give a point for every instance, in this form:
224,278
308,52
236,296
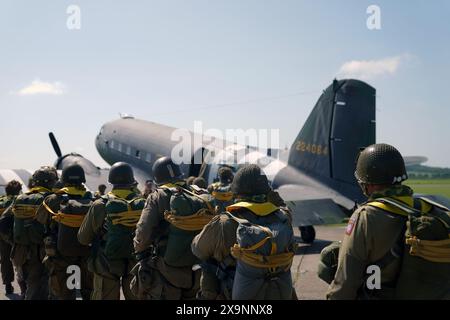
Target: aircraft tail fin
342,121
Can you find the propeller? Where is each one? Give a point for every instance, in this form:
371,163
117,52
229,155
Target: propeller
71,158
55,144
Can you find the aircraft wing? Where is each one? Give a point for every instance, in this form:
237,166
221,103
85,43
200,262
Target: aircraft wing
311,206
21,175
315,212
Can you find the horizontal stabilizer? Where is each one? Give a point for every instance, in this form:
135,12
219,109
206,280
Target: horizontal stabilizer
315,212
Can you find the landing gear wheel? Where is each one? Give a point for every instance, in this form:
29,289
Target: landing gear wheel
308,234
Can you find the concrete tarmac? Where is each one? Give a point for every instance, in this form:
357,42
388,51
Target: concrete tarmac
304,269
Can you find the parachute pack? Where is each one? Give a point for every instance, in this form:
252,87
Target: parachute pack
189,213
264,252
425,270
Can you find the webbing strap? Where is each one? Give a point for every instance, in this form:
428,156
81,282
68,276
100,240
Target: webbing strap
25,211
434,203
402,209
443,217
192,222
261,261
435,251
69,220
127,218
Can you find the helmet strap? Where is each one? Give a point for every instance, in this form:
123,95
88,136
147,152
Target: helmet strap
364,188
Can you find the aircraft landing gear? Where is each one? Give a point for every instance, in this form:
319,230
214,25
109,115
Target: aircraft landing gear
307,233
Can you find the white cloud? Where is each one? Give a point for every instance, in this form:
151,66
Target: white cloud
42,87
368,69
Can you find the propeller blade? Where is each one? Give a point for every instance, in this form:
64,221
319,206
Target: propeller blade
55,144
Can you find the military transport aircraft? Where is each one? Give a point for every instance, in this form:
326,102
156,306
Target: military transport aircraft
315,176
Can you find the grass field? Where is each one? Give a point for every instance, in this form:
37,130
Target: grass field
431,186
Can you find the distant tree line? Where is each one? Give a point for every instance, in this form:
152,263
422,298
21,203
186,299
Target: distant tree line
425,172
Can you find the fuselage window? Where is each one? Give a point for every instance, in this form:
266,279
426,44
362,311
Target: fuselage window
112,144
148,157
119,147
138,154
129,150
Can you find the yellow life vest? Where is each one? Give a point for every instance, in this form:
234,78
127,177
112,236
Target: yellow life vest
260,209
72,191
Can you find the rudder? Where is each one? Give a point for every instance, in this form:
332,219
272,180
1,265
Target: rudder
342,121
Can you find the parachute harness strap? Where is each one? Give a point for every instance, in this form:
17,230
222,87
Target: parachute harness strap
25,211
28,211
193,222
128,218
69,220
250,257
435,251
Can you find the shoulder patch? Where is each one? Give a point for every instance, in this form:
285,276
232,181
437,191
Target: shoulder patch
350,226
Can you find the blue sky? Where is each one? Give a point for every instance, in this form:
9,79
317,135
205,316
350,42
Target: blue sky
151,58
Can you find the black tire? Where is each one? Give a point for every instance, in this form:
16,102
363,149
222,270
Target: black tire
307,233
